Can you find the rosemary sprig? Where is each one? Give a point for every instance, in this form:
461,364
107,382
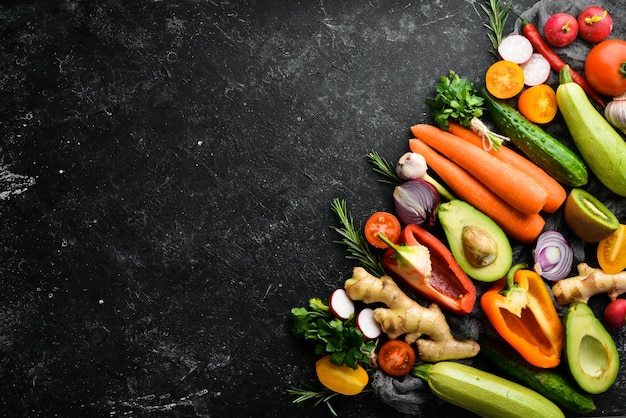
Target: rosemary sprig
498,14
322,396
353,238
384,168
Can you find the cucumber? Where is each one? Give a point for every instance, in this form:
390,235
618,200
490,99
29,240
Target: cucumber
549,383
602,148
484,393
554,157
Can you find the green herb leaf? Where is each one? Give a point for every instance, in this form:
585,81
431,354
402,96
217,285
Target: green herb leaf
341,339
498,15
384,168
456,99
320,396
353,238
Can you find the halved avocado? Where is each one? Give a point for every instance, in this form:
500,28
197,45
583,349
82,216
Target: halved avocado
591,353
477,243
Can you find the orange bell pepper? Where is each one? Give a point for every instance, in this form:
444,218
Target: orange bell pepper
520,308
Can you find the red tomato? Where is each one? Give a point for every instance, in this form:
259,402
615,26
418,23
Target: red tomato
385,223
396,357
605,67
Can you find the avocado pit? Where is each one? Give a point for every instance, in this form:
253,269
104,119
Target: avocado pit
479,247
478,244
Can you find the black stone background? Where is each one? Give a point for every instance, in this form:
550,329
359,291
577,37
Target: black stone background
167,173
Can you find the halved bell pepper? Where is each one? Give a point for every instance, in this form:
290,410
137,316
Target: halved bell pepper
424,264
520,308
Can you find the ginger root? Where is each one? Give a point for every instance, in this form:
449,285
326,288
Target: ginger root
404,316
589,282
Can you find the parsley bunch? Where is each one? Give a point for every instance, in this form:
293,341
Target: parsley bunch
341,339
456,99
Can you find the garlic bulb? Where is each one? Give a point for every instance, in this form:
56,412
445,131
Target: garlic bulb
615,112
411,166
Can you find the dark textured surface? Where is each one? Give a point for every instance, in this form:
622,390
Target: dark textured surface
167,174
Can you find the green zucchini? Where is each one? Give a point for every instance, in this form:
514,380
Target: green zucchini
543,149
484,393
602,148
549,383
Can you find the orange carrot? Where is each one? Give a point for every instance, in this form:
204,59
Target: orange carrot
514,186
522,227
556,192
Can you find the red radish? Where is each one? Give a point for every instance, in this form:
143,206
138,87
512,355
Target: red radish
594,24
615,314
515,48
536,70
367,324
560,29
340,304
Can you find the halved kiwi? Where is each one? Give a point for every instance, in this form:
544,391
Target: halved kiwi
587,217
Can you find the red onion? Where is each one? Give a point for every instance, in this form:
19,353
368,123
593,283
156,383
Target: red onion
416,202
553,256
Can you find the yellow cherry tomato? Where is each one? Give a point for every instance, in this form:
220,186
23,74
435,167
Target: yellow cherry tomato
504,79
538,104
612,251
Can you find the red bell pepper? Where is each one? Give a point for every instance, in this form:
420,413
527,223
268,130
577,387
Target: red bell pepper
521,310
424,264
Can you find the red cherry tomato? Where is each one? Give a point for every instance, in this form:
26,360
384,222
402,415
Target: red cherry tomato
382,222
396,357
605,67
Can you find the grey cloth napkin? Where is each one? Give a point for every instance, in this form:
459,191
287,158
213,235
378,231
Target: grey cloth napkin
575,53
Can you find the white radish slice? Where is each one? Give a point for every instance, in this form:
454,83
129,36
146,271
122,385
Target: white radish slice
536,70
367,324
340,304
515,48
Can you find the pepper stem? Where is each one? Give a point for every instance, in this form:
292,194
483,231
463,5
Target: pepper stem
510,277
387,241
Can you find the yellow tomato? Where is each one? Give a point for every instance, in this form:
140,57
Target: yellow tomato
538,104
612,251
341,379
504,79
